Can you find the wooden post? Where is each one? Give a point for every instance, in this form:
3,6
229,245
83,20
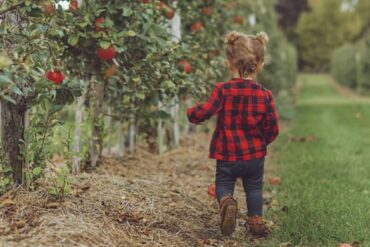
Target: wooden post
176,32
76,161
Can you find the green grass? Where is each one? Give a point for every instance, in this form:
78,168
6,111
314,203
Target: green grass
326,183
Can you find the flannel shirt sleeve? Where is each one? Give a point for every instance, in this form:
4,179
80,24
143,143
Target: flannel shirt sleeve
201,112
270,124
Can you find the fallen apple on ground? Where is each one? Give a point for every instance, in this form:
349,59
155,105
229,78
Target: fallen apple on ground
212,190
275,181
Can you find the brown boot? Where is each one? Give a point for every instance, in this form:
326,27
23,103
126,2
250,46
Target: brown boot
257,227
228,211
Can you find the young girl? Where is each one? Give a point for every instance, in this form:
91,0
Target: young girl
247,122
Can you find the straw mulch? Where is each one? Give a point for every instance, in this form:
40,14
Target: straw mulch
143,200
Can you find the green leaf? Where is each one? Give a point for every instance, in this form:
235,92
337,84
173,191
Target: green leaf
73,40
36,171
131,33
4,61
105,44
4,79
17,91
126,11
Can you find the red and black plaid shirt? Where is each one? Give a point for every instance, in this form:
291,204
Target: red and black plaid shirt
247,120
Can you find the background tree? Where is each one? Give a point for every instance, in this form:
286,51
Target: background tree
323,29
289,12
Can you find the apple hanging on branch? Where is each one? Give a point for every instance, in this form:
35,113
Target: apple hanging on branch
197,26
167,10
101,23
110,71
184,66
73,5
206,11
55,76
49,9
106,54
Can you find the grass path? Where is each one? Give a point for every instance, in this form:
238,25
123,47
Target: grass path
324,162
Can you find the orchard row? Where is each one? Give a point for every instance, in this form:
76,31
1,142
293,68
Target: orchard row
129,64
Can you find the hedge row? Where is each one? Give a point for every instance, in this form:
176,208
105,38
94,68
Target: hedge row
350,64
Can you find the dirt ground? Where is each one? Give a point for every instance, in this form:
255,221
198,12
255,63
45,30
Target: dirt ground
142,200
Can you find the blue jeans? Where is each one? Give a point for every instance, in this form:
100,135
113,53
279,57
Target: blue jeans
251,172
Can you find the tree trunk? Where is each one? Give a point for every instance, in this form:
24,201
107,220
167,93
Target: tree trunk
160,132
110,132
96,144
13,126
121,140
175,116
132,133
76,163
1,126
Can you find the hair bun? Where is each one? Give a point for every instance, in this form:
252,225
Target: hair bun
231,37
263,38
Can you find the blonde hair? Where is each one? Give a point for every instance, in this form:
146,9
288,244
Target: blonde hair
246,52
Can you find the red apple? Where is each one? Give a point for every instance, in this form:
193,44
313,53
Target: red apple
98,23
238,19
106,54
73,5
185,66
49,9
146,1
109,72
170,13
161,5
274,181
55,76
207,11
196,27
212,190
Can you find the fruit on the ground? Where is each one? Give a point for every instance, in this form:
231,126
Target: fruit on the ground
185,66
73,5
344,245
106,54
275,181
146,1
238,19
98,23
207,11
49,9
212,190
197,26
109,72
55,76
